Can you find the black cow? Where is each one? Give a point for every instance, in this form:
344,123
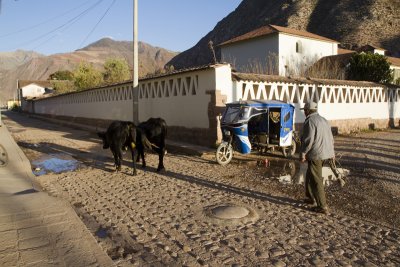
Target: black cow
152,133
120,135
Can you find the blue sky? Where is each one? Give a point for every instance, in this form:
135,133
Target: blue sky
58,26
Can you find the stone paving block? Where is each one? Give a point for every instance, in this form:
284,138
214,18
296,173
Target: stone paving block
36,255
8,241
46,263
6,227
54,218
34,242
27,222
9,259
6,219
27,233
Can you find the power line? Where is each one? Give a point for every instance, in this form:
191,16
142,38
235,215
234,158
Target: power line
98,22
44,22
68,23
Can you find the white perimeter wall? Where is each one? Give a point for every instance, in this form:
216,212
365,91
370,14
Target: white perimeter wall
183,99
108,103
189,99
336,102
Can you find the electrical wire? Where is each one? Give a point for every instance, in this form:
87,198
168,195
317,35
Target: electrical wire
66,24
98,22
44,22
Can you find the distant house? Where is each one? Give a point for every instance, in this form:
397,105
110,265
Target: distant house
372,49
276,50
33,89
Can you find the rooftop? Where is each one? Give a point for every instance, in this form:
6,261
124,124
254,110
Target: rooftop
271,29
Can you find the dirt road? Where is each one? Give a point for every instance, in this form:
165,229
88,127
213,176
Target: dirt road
198,213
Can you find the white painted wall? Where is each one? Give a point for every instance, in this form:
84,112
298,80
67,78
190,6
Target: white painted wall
258,55
32,90
310,51
188,107
335,102
379,51
396,72
108,103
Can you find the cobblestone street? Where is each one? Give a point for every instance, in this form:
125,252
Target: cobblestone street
164,219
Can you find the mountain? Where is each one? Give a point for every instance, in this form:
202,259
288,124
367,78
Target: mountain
353,23
27,65
10,60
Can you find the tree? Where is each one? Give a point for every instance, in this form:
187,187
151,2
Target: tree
116,70
63,86
62,75
86,76
369,67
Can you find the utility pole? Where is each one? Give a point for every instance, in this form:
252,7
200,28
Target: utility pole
135,63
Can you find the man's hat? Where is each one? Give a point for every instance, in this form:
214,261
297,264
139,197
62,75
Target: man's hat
310,106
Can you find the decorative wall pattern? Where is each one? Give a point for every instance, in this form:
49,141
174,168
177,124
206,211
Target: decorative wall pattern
336,102
169,87
301,93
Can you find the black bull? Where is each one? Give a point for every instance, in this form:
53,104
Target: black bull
125,135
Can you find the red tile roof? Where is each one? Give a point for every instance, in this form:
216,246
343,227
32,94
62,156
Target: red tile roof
395,61
42,83
270,29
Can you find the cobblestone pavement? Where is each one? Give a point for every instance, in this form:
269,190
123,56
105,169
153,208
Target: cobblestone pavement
158,219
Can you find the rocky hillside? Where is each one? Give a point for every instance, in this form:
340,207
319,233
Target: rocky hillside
32,66
10,60
352,22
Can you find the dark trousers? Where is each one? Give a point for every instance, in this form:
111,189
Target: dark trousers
314,183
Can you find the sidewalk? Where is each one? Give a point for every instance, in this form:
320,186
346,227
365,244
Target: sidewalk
35,228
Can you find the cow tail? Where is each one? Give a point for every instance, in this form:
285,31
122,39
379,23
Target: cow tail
146,143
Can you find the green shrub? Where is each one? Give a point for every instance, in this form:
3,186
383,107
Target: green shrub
369,67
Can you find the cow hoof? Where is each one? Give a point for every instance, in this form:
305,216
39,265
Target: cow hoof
161,169
134,173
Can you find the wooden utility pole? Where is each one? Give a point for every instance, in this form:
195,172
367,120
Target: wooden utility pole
135,62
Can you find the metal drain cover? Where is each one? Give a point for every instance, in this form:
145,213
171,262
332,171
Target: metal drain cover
229,212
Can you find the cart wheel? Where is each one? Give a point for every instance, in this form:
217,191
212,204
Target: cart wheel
224,153
289,150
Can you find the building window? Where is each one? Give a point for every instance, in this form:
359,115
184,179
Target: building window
298,47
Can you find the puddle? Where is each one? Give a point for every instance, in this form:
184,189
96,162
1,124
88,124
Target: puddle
101,232
3,156
294,172
54,163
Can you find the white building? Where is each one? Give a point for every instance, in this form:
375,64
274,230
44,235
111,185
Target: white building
276,50
32,89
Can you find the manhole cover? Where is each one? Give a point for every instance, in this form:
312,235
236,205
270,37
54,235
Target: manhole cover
3,156
230,212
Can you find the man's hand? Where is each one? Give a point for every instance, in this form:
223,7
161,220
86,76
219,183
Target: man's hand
302,158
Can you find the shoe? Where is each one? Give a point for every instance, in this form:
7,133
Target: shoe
320,210
309,201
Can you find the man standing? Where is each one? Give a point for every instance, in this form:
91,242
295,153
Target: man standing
316,147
